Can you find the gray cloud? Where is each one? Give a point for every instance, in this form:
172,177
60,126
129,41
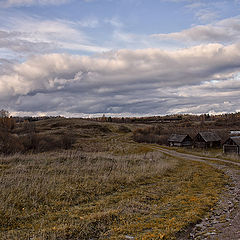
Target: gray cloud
149,81
196,79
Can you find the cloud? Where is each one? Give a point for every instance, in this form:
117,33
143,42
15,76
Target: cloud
89,23
148,81
16,42
225,31
195,5
20,3
28,35
115,22
204,11
206,15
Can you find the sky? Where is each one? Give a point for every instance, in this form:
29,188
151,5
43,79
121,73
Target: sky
86,58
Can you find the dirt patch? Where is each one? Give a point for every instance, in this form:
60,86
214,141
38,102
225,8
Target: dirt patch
223,221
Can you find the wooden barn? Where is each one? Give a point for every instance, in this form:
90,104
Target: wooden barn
207,140
180,140
232,145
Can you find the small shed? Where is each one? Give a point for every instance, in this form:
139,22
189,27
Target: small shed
207,140
232,145
180,140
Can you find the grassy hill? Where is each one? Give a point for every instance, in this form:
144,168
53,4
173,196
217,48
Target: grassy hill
103,185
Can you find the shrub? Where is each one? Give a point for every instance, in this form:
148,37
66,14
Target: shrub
9,143
124,129
99,127
153,134
40,143
48,143
67,140
30,141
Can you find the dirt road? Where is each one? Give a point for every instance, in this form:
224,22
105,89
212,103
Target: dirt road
224,220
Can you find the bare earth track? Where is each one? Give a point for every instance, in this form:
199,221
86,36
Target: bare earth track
223,222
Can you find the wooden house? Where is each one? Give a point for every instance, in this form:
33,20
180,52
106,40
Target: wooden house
232,145
180,140
207,140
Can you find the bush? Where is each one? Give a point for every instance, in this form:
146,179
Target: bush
42,143
67,140
30,141
48,143
124,129
152,134
9,143
150,138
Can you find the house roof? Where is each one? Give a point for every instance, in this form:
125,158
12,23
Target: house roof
210,136
236,139
177,137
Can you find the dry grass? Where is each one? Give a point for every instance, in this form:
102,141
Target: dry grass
75,195
214,153
38,187
106,187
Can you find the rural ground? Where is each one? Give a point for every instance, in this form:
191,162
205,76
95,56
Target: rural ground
223,220
104,185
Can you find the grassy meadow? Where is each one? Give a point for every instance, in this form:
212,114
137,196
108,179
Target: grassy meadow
105,187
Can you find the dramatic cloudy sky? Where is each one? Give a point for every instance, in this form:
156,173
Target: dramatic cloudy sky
119,57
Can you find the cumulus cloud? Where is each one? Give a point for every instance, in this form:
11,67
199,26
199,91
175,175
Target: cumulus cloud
225,31
136,81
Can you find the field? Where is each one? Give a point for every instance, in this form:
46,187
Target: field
105,187
211,153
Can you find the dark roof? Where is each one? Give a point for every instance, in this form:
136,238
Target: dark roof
236,139
210,136
177,137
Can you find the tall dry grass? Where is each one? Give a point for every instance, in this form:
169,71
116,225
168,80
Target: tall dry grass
40,193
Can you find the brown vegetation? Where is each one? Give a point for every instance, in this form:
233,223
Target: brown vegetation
153,134
71,195
105,187
159,133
